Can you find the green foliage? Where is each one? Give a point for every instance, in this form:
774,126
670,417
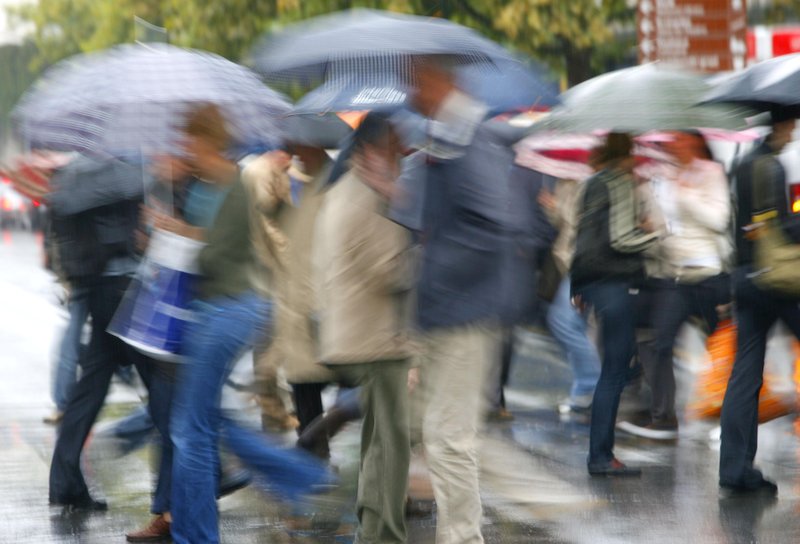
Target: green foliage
575,37
775,12
15,76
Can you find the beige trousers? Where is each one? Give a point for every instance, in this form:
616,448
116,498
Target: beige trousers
454,367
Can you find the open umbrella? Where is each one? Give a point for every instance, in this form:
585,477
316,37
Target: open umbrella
640,99
764,86
132,98
506,85
368,43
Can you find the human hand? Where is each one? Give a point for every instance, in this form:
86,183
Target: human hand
547,199
413,379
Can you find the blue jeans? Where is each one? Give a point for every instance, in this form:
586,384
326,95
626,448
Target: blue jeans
66,371
224,328
569,329
615,309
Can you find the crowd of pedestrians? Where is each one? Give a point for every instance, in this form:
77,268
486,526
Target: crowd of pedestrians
305,262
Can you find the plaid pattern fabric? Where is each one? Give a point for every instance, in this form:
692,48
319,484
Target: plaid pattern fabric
132,98
623,222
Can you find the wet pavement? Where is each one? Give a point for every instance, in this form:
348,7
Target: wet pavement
535,485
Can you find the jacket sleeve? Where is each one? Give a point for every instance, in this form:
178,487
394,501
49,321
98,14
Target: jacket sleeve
708,204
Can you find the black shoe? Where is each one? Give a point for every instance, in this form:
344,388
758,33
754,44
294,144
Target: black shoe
85,504
762,488
614,468
231,482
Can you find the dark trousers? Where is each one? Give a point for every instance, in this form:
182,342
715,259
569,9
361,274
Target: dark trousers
307,402
499,376
756,312
673,304
102,358
614,306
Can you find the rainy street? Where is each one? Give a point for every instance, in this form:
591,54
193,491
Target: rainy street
534,479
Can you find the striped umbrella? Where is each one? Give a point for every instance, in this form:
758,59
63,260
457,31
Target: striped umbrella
132,98
370,44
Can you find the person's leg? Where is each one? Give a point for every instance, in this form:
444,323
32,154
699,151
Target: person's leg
385,451
454,371
315,437
160,381
213,343
497,375
739,419
291,473
101,359
307,402
66,371
671,308
614,308
569,329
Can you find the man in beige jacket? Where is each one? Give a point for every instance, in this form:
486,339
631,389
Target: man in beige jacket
363,269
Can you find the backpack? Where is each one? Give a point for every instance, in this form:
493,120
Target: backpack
86,241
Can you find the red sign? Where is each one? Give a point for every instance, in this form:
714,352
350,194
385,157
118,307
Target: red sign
702,35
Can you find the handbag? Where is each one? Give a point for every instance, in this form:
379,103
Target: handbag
154,312
777,259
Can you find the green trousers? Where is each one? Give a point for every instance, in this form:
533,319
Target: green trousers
385,448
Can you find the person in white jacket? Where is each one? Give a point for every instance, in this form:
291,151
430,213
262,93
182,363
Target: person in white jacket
696,204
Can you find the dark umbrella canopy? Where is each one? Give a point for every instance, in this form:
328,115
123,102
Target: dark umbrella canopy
325,130
768,85
507,85
366,41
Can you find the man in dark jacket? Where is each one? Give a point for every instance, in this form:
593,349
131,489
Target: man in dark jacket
464,288
756,309
98,202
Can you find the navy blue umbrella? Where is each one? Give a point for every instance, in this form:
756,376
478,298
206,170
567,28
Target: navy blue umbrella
363,41
507,85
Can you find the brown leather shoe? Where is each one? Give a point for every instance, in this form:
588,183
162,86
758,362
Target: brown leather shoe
157,531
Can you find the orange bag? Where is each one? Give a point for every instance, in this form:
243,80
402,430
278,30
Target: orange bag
712,383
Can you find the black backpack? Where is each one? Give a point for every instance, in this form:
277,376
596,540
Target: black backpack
86,241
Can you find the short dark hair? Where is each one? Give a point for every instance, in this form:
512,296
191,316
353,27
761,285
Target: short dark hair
375,129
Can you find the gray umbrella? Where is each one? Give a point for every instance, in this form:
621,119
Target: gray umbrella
768,85
366,42
324,130
86,183
132,98
640,99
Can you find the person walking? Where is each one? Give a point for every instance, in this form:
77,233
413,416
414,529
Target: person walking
466,243
608,263
96,216
363,265
567,325
230,313
695,254
756,309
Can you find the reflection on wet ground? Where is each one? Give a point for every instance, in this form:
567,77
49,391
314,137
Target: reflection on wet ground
535,485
